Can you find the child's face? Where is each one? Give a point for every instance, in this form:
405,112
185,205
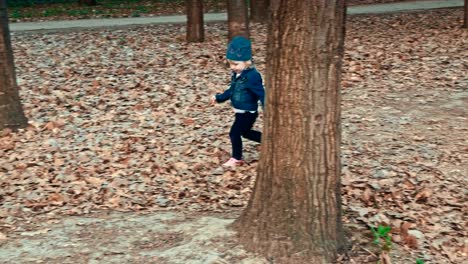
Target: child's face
237,66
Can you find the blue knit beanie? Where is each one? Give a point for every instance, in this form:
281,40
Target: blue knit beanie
239,49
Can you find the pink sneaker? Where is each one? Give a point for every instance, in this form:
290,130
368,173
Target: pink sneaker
232,162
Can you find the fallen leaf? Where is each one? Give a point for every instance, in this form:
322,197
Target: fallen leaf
94,181
423,195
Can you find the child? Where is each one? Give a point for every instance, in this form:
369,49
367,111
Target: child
245,91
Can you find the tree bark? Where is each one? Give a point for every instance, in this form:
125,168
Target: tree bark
195,29
11,111
294,213
259,10
238,20
465,23
87,2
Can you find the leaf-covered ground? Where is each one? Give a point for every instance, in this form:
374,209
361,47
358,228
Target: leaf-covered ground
120,120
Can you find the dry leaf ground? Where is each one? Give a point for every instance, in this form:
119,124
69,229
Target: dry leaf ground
120,122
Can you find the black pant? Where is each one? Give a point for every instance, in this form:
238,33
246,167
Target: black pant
242,127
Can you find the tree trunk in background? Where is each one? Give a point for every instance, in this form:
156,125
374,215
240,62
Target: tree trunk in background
11,111
465,24
88,2
259,10
294,213
195,29
238,20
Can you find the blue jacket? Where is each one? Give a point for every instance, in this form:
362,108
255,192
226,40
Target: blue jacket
245,91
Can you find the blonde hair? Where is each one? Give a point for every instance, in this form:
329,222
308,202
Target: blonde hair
248,63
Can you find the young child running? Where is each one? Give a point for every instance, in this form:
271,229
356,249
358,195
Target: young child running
245,90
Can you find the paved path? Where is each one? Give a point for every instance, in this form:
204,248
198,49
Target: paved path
216,17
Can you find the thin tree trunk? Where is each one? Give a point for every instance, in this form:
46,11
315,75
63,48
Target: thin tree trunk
195,29
465,24
11,112
294,214
238,20
259,10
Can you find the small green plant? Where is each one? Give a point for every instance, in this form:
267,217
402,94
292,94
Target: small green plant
78,12
382,234
51,12
383,239
16,14
98,12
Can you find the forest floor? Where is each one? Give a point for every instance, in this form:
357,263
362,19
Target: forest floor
120,163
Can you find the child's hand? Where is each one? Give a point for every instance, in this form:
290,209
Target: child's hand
213,100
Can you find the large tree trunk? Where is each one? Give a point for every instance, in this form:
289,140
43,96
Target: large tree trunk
465,24
88,2
238,20
294,214
11,112
195,29
259,10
